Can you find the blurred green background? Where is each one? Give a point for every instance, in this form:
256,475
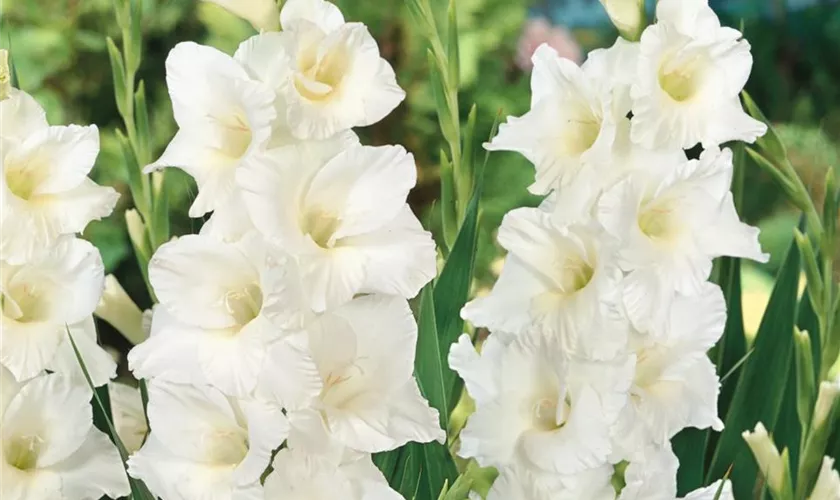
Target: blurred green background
59,50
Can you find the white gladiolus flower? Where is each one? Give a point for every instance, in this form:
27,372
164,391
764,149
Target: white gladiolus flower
300,476
50,448
340,209
579,201
517,483
556,280
368,399
691,70
205,445
20,117
671,227
44,189
537,409
675,385
828,482
224,117
100,364
128,415
262,14
40,299
654,478
221,306
328,73
613,71
570,124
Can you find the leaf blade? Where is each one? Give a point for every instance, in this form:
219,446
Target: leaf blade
757,397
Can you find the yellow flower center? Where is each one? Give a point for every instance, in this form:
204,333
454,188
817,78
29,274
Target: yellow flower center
544,414
657,221
237,138
682,77
22,451
244,304
319,76
320,226
581,130
574,274
24,304
226,446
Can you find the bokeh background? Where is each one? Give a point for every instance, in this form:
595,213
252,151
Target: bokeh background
59,50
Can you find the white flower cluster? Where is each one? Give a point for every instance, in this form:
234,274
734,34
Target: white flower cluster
285,324
50,283
602,315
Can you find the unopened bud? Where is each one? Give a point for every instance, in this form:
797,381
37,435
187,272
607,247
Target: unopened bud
767,456
118,310
262,14
828,482
5,75
826,403
627,16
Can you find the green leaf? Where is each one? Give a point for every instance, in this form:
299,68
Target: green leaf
407,480
689,446
460,490
121,13
118,72
770,143
833,449
430,362
807,320
421,18
135,176
448,208
134,43
812,271
733,345
139,491
387,462
452,51
13,74
788,431
763,382
731,352
432,461
453,287
444,113
160,212
773,170
141,113
438,469
468,148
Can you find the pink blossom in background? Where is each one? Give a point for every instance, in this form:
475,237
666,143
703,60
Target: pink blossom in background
539,31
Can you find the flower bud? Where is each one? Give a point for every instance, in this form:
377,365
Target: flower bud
262,14
767,456
137,233
627,16
826,403
119,311
828,482
5,75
